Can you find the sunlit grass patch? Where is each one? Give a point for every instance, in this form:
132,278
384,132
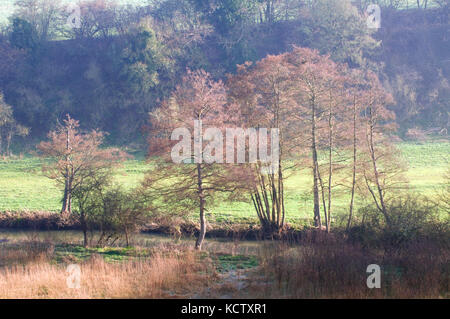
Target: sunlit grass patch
225,262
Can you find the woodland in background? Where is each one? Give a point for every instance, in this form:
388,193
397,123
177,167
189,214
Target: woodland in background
125,60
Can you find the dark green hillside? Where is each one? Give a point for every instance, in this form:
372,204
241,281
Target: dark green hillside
110,75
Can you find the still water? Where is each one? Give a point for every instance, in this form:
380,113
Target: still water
141,240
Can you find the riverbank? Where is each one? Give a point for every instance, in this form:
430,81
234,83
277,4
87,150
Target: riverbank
50,221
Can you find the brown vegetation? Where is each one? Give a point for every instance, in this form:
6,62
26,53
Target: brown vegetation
338,270
164,274
38,221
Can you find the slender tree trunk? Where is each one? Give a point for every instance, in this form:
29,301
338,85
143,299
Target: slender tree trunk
266,198
273,197
281,193
84,228
350,215
322,190
376,175
201,235
85,238
66,205
67,199
257,208
317,221
330,164
8,143
126,237
269,11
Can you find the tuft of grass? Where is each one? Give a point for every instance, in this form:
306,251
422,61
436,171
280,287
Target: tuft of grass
225,263
110,254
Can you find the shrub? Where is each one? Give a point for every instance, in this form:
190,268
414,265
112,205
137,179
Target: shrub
38,220
413,219
120,214
339,271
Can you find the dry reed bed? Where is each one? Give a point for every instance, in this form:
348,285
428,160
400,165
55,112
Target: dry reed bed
164,274
329,269
339,271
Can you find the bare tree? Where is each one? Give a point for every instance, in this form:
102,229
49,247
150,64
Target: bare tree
382,170
75,157
314,76
198,103
8,127
41,14
264,94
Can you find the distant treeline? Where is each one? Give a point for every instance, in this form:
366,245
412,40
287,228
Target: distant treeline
124,60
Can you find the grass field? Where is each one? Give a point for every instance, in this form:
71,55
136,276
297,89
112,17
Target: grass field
23,187
7,7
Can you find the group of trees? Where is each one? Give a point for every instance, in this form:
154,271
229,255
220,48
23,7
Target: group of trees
84,171
45,20
332,120
180,186
8,127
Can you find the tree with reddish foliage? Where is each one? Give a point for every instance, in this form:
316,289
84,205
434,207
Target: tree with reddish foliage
302,94
182,180
263,92
322,109
354,127
319,93
382,170
332,140
75,157
8,127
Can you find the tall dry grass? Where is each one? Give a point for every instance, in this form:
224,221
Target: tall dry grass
164,274
338,270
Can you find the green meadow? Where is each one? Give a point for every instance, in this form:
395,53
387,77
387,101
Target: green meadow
6,9
23,187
